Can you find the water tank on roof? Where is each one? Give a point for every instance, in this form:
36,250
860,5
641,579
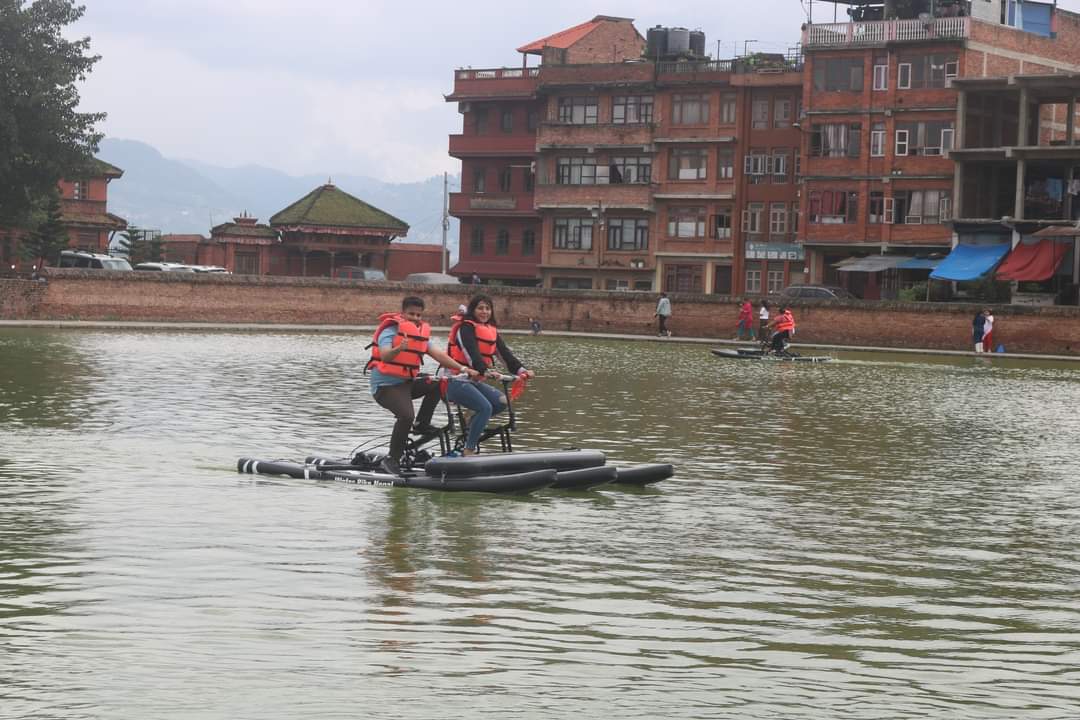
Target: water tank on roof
656,42
678,41
697,43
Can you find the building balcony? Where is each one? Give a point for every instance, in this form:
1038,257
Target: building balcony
880,32
495,145
491,204
622,196
494,84
555,135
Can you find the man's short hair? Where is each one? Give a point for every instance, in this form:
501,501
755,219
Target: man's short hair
412,301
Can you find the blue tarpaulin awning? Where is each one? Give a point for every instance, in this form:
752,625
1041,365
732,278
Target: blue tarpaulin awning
970,262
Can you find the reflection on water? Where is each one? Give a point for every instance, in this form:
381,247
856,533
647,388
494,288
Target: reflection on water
873,537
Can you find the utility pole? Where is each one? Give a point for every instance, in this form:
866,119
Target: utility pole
445,215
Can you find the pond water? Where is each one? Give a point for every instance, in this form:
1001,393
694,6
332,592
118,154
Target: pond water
879,536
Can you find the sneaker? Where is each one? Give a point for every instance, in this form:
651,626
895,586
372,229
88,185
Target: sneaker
425,429
390,465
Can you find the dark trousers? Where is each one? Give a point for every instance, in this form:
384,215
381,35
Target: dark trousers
662,319
398,400
778,340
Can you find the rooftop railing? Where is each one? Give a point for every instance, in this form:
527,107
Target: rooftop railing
496,73
884,31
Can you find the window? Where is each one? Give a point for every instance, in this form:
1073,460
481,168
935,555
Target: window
881,74
683,278
752,220
80,190
480,118
755,163
571,283
901,143
727,108
502,242
631,109
725,162
759,112
844,74
919,207
926,71
573,234
778,220
532,120
931,137
877,139
688,164
690,109
835,140
530,179
615,284
578,110
476,242
782,112
479,180
780,160
753,281
504,180
876,208
645,285
775,280
247,263
831,207
686,222
628,233
576,171
528,242
507,123
722,224
630,169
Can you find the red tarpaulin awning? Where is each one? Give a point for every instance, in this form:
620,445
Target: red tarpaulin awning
1035,262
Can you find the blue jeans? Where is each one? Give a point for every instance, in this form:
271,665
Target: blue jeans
483,399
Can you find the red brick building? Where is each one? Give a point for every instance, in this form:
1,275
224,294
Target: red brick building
880,134
85,213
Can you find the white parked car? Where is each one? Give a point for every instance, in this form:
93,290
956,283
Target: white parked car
93,261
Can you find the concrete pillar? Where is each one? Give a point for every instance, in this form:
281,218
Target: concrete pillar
1070,122
1022,119
961,120
957,189
1018,205
710,276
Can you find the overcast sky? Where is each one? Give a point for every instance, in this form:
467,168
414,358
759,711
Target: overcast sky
346,86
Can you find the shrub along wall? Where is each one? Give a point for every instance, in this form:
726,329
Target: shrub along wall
174,297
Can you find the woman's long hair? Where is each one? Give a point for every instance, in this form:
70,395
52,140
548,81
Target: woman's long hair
470,312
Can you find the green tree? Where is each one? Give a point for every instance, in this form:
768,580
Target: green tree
48,237
42,136
129,242
141,245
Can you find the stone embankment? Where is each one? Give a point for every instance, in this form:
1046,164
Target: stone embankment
173,297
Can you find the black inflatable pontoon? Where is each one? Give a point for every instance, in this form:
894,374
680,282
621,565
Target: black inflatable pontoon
746,354
644,474
497,463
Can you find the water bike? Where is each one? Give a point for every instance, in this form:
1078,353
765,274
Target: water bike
767,355
433,461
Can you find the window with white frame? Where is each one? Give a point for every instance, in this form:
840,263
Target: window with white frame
688,164
927,137
753,281
881,74
780,161
926,70
579,110
877,139
778,220
572,234
753,218
901,143
686,221
775,280
919,207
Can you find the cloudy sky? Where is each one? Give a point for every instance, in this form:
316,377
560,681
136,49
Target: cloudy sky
346,86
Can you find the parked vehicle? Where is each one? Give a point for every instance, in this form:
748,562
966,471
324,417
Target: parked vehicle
815,292
432,279
210,269
93,261
165,267
359,273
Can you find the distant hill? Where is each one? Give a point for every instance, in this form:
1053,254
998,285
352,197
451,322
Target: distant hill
187,196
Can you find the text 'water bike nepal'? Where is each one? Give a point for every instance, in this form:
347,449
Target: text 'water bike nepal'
433,461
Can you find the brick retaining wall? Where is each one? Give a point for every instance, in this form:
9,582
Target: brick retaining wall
174,297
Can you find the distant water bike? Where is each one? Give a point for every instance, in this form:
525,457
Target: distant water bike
433,461
766,352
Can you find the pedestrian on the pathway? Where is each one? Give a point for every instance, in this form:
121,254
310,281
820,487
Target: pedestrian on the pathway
978,326
745,325
662,315
534,325
988,330
763,320
475,279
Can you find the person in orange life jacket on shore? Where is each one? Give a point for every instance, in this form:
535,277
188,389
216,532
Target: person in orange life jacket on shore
475,341
398,349
784,324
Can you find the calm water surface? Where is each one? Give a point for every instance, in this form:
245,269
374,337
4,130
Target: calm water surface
878,537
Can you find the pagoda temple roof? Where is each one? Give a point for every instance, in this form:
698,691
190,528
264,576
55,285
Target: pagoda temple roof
330,206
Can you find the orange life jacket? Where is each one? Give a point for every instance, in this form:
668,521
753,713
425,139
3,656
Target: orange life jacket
406,364
486,335
786,321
